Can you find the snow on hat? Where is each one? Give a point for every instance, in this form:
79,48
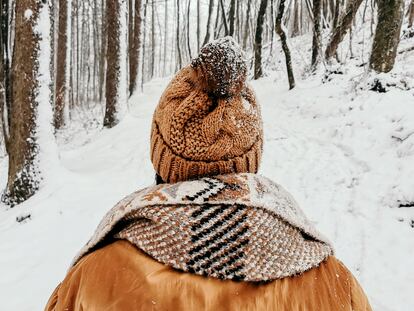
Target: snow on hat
207,121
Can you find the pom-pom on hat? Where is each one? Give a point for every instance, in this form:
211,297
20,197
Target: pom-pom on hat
207,121
221,67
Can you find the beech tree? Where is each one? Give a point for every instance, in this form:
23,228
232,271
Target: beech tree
317,37
135,44
232,13
280,31
410,14
115,94
30,111
103,50
342,27
62,59
387,35
258,70
5,85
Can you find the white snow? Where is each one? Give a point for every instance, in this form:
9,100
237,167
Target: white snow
28,14
344,152
331,147
48,154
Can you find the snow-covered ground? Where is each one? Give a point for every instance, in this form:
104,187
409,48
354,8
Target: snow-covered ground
345,153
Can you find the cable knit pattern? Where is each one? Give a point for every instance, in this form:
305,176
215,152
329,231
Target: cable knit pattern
236,226
196,133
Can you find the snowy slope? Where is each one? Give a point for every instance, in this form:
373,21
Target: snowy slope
346,154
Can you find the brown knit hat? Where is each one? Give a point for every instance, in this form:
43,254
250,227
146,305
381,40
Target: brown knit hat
207,121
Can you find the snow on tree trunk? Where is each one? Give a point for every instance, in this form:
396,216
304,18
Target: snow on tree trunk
258,71
282,34
317,37
342,28
387,35
116,62
33,148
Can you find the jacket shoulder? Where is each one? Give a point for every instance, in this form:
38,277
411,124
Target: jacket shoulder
101,279
121,276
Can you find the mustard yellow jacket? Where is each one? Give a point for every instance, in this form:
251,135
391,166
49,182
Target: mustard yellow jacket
120,277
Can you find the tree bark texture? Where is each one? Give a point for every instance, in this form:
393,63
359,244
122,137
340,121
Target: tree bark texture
411,14
198,26
131,17
113,54
188,30
317,37
246,26
258,70
280,31
61,63
102,59
24,172
223,15
180,61
4,71
342,28
232,12
387,35
5,79
135,46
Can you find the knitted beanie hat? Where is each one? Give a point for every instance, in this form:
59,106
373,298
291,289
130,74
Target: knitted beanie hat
207,121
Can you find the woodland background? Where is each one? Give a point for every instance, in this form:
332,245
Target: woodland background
79,81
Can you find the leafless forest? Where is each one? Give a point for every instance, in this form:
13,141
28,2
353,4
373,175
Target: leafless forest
70,56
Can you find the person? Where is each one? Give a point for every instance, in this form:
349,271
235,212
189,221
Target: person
212,234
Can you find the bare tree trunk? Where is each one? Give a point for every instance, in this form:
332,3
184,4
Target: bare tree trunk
102,60
135,49
336,14
131,17
258,71
152,38
387,35
246,26
5,72
317,37
231,16
198,26
239,21
282,34
164,72
342,28
188,29
296,21
113,55
216,30
223,13
144,50
411,14
180,61
61,65
210,13
31,97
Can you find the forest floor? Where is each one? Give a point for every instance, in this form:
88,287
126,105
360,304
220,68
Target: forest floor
345,152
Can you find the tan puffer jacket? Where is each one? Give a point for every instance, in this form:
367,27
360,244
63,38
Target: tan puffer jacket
202,235
119,277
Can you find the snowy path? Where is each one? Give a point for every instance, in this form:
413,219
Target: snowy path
320,153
